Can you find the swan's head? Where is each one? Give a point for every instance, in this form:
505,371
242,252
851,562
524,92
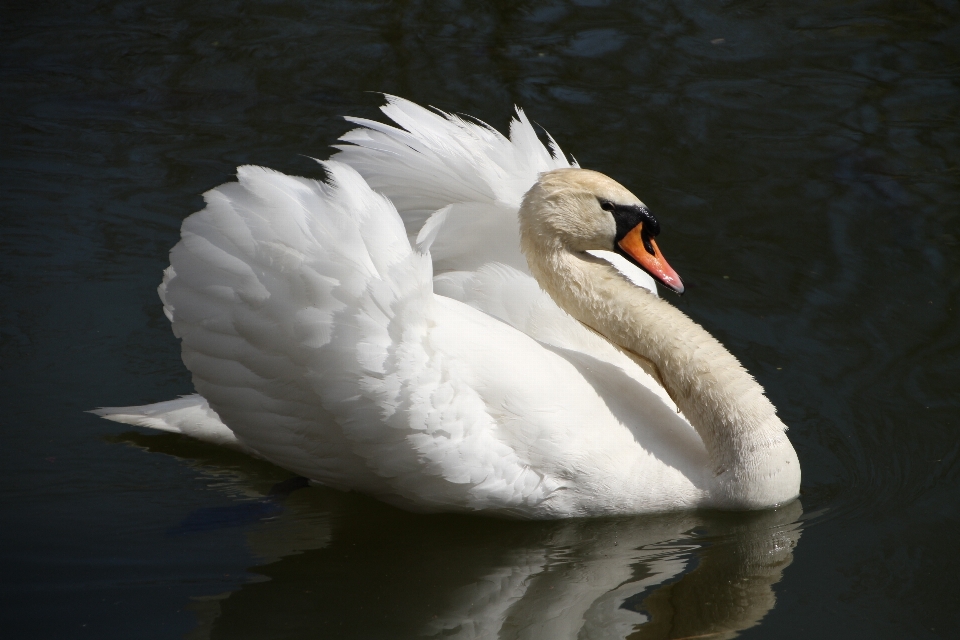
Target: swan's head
579,210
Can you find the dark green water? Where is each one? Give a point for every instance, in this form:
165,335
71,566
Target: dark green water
802,159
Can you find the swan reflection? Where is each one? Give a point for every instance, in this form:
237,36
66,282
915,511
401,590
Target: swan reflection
658,577
344,565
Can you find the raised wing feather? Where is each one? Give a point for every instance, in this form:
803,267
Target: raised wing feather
434,160
250,293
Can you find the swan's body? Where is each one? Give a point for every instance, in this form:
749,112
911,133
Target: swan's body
445,378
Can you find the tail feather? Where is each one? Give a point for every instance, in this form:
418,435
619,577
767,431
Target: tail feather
189,415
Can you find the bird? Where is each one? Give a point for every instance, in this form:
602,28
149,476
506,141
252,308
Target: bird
457,320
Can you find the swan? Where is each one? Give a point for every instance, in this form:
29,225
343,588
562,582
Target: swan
457,320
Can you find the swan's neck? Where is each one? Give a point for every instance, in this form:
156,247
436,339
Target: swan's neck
753,462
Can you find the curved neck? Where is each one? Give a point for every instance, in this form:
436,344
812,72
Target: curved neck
750,454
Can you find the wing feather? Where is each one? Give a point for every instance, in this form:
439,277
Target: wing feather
307,321
435,159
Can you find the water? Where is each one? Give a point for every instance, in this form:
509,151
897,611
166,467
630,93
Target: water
802,159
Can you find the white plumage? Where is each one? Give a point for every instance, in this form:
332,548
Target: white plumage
413,357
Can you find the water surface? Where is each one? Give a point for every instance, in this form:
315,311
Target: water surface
802,159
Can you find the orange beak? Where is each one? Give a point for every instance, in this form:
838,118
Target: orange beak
640,246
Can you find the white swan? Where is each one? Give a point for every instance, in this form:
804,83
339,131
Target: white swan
445,378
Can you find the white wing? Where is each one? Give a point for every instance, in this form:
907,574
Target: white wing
303,314
438,162
248,297
436,159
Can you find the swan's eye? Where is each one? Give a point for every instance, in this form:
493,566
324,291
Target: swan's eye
606,205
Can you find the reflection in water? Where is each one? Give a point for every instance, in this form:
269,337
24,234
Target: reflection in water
344,564
636,578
